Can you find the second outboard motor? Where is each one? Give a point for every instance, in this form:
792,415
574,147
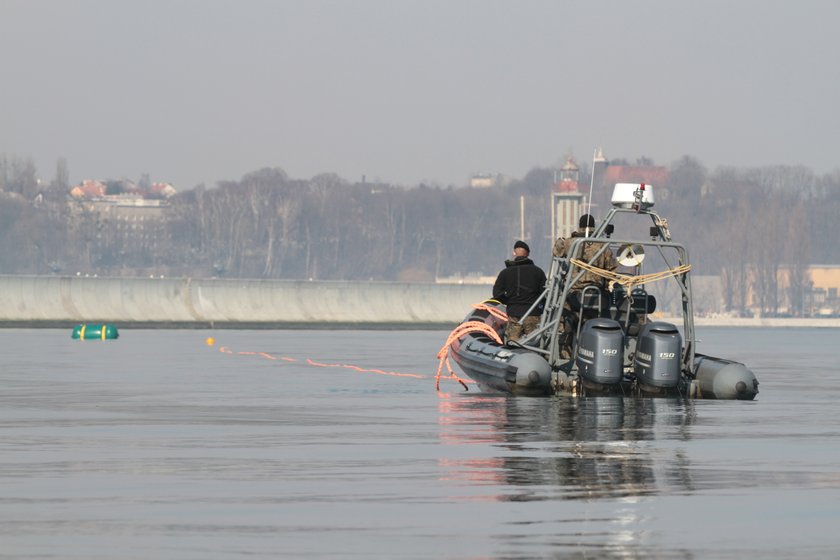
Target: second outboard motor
600,352
658,354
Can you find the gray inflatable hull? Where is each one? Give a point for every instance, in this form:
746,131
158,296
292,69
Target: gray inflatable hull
499,369
717,378
510,370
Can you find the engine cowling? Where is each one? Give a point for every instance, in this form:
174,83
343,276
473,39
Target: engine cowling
600,353
658,353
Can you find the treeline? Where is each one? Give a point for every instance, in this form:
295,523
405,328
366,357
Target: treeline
743,224
269,226
748,225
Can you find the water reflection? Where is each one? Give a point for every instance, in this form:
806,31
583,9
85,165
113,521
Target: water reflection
567,448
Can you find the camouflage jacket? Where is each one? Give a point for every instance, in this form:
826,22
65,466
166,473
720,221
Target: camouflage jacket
605,260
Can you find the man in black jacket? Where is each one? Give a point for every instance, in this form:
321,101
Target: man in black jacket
518,286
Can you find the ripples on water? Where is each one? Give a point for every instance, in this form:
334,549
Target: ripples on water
159,446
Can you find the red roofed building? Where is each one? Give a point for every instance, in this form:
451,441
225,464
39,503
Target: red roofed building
129,216
163,190
89,189
606,175
656,176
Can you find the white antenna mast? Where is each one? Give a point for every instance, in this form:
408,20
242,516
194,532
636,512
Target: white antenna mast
591,183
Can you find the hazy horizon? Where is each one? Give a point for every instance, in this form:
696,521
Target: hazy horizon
413,91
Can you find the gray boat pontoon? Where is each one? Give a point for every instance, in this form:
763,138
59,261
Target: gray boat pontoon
595,341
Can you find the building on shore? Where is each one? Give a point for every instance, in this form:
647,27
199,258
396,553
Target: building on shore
126,220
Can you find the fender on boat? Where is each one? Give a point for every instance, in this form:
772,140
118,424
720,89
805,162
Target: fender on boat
724,379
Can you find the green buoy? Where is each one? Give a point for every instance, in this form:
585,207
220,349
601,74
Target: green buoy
95,332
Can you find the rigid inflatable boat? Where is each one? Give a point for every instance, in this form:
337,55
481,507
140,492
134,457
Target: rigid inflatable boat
593,340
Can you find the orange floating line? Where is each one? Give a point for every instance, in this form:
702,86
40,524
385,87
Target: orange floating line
381,372
312,362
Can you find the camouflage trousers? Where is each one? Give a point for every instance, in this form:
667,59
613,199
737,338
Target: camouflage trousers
517,328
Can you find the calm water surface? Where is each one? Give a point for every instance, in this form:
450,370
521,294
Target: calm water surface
266,444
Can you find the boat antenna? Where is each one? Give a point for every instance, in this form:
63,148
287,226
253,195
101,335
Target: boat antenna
591,183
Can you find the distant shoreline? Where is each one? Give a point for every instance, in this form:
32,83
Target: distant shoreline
777,322
398,326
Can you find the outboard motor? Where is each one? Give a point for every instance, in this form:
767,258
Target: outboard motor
658,354
600,352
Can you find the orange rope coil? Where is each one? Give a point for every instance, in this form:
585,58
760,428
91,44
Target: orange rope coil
458,332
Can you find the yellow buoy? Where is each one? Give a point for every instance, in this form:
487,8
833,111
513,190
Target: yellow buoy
210,341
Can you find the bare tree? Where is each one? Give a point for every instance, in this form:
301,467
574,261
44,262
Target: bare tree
62,176
798,258
18,175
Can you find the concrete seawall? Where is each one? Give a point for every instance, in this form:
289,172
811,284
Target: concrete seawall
28,301
51,300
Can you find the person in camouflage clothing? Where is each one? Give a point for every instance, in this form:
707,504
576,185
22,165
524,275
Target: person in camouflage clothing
606,260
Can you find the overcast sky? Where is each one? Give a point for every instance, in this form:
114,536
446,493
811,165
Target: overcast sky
410,91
